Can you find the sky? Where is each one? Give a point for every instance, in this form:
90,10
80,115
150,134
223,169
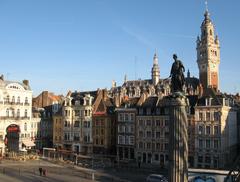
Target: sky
61,45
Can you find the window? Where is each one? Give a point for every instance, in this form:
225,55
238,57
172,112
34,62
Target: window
157,122
131,140
216,144
140,122
25,113
148,134
166,146
140,133
207,143
200,159
158,146
13,99
126,117
156,157
207,159
140,111
148,111
18,100
25,126
148,145
13,112
18,113
216,116
132,117
120,139
200,130
8,99
140,145
200,116
76,124
208,116
77,113
158,134
148,122
7,112
216,131
200,143
208,130
26,100
120,117
65,123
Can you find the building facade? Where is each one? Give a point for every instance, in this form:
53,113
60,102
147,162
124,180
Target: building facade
126,122
215,131
152,132
104,125
16,130
77,119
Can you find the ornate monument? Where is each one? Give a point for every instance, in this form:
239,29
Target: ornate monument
178,148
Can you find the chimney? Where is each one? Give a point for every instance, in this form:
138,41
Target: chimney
26,82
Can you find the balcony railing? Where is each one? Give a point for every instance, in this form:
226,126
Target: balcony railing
11,103
14,117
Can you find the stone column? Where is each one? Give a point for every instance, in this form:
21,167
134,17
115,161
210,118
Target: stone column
178,144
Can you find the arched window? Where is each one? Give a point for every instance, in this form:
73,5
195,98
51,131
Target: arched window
13,99
18,100
18,113
7,112
25,126
25,113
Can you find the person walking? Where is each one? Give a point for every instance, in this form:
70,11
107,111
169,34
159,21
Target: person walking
40,171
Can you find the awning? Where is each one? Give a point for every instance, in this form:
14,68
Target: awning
28,143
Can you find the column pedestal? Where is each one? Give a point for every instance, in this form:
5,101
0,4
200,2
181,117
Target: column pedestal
178,144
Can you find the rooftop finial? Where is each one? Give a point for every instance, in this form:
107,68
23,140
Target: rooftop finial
206,4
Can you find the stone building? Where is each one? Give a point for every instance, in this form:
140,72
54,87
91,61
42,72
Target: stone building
48,104
104,125
126,118
215,131
77,118
152,131
58,130
16,130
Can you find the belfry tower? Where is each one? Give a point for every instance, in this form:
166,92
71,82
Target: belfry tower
208,55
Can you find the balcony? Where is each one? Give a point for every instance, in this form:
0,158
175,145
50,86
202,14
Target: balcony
14,117
26,104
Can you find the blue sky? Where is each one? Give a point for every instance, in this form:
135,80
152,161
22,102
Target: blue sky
62,45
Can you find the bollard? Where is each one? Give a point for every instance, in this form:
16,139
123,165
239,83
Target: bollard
19,171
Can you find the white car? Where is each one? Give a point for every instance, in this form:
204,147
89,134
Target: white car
156,178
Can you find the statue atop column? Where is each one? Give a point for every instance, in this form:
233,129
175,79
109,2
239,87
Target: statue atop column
177,76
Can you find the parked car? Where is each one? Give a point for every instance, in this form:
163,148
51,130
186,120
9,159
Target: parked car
156,178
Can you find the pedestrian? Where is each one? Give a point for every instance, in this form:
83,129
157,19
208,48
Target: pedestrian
44,172
40,171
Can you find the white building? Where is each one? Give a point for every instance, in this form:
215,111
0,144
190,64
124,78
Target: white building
17,132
